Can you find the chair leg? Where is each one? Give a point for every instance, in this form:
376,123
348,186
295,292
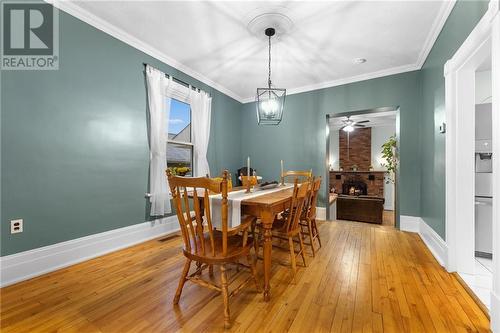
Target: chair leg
317,232
225,296
182,280
253,269
292,258
302,249
311,238
211,270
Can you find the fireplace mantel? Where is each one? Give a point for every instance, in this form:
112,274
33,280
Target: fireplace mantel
349,171
373,179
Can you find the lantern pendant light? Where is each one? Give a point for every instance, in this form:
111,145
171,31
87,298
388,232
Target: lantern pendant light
270,101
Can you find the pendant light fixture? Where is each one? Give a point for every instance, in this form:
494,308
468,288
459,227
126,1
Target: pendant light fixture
270,101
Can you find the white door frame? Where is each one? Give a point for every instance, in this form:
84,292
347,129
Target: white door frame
459,74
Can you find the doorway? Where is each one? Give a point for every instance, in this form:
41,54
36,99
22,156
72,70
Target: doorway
359,188
472,162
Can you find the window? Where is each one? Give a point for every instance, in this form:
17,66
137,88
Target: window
179,146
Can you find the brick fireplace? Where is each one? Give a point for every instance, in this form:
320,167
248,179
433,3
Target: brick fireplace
373,180
354,186
358,152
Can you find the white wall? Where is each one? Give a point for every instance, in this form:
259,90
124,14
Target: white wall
380,135
334,149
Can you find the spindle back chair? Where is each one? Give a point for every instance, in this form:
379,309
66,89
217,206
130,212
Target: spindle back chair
302,176
308,218
205,244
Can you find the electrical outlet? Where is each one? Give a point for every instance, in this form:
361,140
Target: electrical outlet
16,226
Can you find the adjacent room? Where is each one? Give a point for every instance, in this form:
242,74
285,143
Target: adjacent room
362,149
250,166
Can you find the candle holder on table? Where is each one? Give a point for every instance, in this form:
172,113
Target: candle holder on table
248,182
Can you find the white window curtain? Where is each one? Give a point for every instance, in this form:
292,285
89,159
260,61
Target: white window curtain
160,91
201,109
159,111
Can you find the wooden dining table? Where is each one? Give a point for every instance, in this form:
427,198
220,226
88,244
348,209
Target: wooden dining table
266,207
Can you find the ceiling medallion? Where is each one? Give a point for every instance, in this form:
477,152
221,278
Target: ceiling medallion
276,17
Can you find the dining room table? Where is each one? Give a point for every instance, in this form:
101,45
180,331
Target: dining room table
265,205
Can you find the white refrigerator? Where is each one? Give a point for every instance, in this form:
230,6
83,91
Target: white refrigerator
483,205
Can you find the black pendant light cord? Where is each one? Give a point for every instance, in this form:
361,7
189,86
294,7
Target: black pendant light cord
269,78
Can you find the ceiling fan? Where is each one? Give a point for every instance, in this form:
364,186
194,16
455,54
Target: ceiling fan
350,125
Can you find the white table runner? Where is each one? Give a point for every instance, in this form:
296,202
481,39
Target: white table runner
234,205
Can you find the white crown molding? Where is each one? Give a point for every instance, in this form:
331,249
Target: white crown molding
91,19
341,82
98,23
28,264
437,26
480,33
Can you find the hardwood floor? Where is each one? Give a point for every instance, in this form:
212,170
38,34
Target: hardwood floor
366,277
388,218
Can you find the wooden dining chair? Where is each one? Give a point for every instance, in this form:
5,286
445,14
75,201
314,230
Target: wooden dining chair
204,244
288,227
308,217
242,171
292,176
302,176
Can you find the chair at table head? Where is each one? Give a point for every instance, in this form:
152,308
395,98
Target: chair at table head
248,179
301,176
189,192
242,172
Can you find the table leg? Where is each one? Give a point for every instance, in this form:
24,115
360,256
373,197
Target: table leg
267,223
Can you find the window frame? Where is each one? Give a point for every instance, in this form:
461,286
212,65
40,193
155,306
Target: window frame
182,143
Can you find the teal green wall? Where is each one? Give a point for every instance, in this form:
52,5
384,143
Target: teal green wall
300,138
460,23
74,141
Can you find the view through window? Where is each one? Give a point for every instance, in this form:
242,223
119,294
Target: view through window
179,146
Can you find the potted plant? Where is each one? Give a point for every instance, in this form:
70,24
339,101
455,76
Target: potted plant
389,154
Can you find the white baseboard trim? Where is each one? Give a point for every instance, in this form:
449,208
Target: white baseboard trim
28,264
495,313
409,223
321,213
432,240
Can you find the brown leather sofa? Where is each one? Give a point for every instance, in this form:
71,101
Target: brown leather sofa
361,208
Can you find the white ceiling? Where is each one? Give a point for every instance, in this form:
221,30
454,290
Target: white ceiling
210,40
376,119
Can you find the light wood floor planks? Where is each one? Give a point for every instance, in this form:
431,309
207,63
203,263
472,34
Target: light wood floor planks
366,278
